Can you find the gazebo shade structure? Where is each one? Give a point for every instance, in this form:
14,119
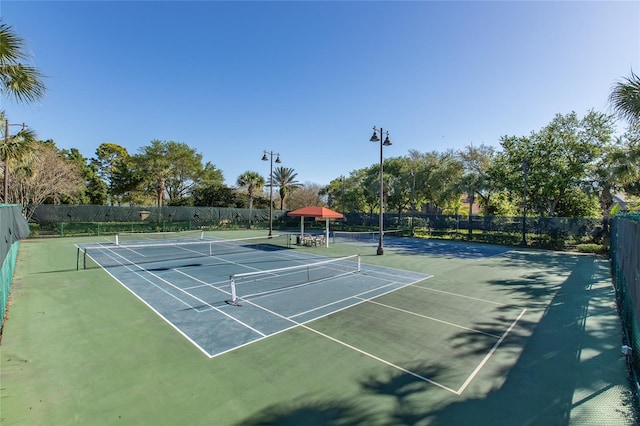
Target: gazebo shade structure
317,213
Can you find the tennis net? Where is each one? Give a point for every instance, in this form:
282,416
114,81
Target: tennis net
128,237
154,251
364,236
259,283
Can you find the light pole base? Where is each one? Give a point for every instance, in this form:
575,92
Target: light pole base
380,251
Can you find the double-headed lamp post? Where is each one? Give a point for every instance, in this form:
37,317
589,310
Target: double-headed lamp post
525,169
386,142
265,158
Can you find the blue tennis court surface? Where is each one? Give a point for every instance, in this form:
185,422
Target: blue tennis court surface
188,285
421,246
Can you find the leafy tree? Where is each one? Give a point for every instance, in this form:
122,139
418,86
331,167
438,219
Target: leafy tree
476,180
285,179
578,203
398,183
370,186
13,149
95,189
346,192
114,166
625,99
22,82
556,159
306,195
217,195
171,170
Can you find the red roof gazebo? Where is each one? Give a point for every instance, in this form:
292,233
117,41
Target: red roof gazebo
317,213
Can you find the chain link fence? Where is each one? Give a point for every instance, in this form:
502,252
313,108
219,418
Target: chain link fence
625,271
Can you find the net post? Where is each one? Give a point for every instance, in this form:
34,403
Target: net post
234,298
202,234
84,258
359,269
77,258
117,239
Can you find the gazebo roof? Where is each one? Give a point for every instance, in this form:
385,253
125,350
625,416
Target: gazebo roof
317,212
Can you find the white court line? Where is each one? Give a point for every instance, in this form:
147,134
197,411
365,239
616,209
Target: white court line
185,292
333,339
435,319
491,352
305,326
462,295
362,299
355,296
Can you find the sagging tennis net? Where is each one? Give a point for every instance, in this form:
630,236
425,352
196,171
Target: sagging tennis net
253,284
107,255
364,236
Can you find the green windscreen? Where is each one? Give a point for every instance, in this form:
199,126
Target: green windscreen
13,227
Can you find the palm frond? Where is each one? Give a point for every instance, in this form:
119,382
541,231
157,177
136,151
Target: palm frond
625,99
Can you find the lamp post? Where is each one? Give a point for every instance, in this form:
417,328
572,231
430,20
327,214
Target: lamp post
265,158
342,179
413,200
5,193
386,142
525,169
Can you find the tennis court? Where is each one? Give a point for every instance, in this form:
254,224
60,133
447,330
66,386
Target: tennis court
187,282
424,335
391,240
223,294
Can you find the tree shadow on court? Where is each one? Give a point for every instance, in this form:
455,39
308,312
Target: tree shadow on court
401,387
552,370
406,390
327,413
540,387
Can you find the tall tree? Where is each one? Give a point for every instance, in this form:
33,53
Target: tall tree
285,179
306,195
252,182
48,175
95,189
114,165
173,170
625,99
13,148
22,82
476,180
154,162
558,158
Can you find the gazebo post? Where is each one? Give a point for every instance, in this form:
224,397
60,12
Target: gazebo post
326,239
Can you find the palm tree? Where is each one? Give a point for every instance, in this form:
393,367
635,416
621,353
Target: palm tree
13,148
253,182
20,81
24,84
285,178
625,99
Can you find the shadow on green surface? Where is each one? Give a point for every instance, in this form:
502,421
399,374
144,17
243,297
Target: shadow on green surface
539,389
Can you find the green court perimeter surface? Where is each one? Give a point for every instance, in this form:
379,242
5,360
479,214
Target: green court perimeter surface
522,338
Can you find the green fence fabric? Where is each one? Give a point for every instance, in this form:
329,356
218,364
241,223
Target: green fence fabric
625,270
60,213
13,227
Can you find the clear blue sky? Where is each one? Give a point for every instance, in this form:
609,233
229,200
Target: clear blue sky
310,79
